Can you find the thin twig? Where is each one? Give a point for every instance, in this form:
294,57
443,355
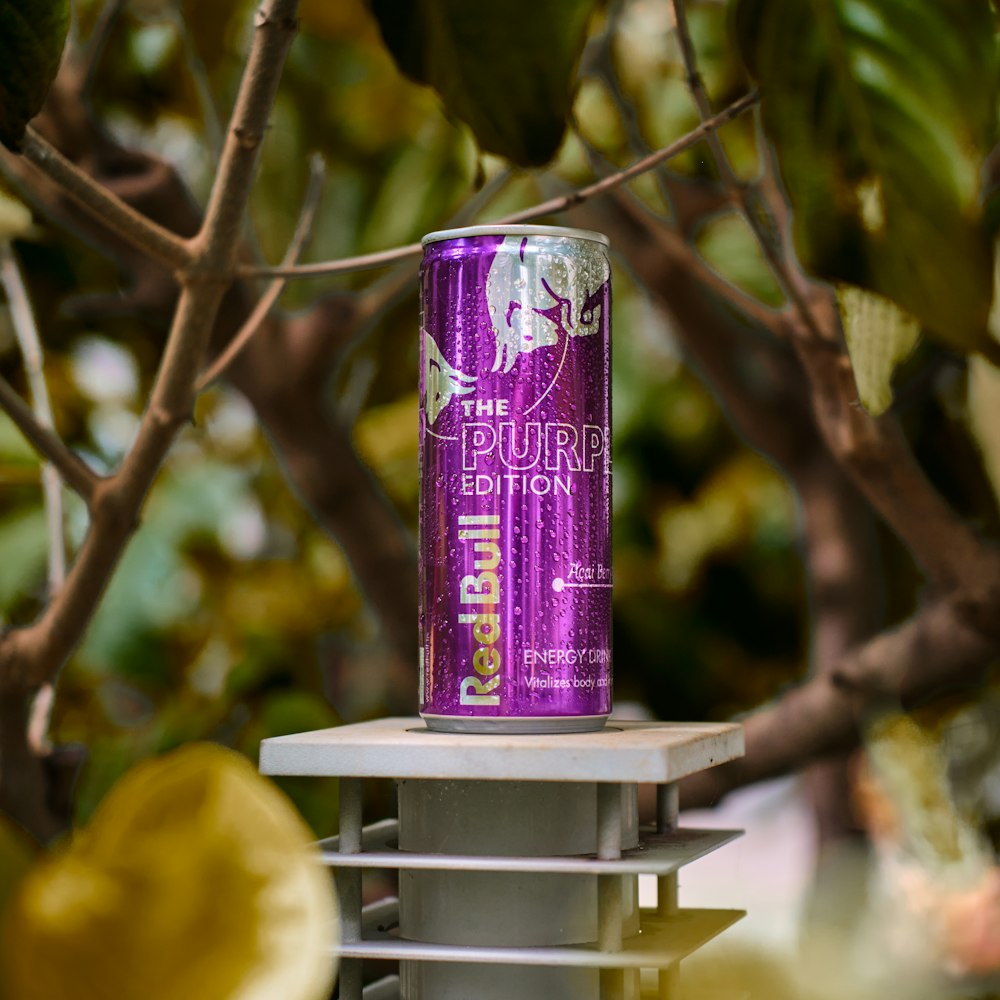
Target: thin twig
199,77
784,275
105,207
700,95
875,453
672,245
602,65
473,205
550,207
384,293
89,57
210,117
75,474
300,237
26,332
376,299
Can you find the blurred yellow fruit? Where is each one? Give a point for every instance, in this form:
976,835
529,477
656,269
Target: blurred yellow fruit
15,218
195,880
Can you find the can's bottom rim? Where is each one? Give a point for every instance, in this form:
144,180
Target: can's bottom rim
524,725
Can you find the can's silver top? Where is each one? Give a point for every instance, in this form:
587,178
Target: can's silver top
519,230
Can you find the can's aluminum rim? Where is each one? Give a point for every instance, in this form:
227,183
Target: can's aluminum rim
515,230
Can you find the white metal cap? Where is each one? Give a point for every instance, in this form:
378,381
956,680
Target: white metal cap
515,230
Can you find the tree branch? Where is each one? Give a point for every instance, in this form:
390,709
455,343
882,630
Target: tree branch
300,237
199,78
598,59
32,656
949,646
789,280
86,58
845,579
793,399
879,459
26,331
103,206
874,452
309,440
757,378
288,359
550,207
764,391
75,473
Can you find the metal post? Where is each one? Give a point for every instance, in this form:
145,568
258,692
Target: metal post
667,802
349,884
609,887
667,808
443,848
609,821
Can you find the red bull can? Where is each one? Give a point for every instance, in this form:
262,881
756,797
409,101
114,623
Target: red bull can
515,501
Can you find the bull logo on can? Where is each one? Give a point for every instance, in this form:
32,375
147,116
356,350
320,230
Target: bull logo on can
529,290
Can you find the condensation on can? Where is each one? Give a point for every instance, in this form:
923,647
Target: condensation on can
515,495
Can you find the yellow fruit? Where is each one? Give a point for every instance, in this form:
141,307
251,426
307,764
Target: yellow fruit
195,880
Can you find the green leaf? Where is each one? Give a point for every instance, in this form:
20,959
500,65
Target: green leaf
23,548
506,69
729,246
14,448
881,113
32,35
879,337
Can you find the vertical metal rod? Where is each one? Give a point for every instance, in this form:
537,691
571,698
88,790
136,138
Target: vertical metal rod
609,821
609,887
669,983
350,815
667,808
349,884
666,895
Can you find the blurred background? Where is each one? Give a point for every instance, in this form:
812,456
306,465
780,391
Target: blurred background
233,616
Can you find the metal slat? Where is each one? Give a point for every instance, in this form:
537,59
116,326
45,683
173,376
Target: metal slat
388,989
384,989
657,854
661,943
373,837
380,917
653,995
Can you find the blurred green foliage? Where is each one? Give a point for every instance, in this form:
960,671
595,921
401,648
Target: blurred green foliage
882,115
232,611
31,43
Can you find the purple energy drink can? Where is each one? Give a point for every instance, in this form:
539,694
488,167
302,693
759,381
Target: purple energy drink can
515,501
